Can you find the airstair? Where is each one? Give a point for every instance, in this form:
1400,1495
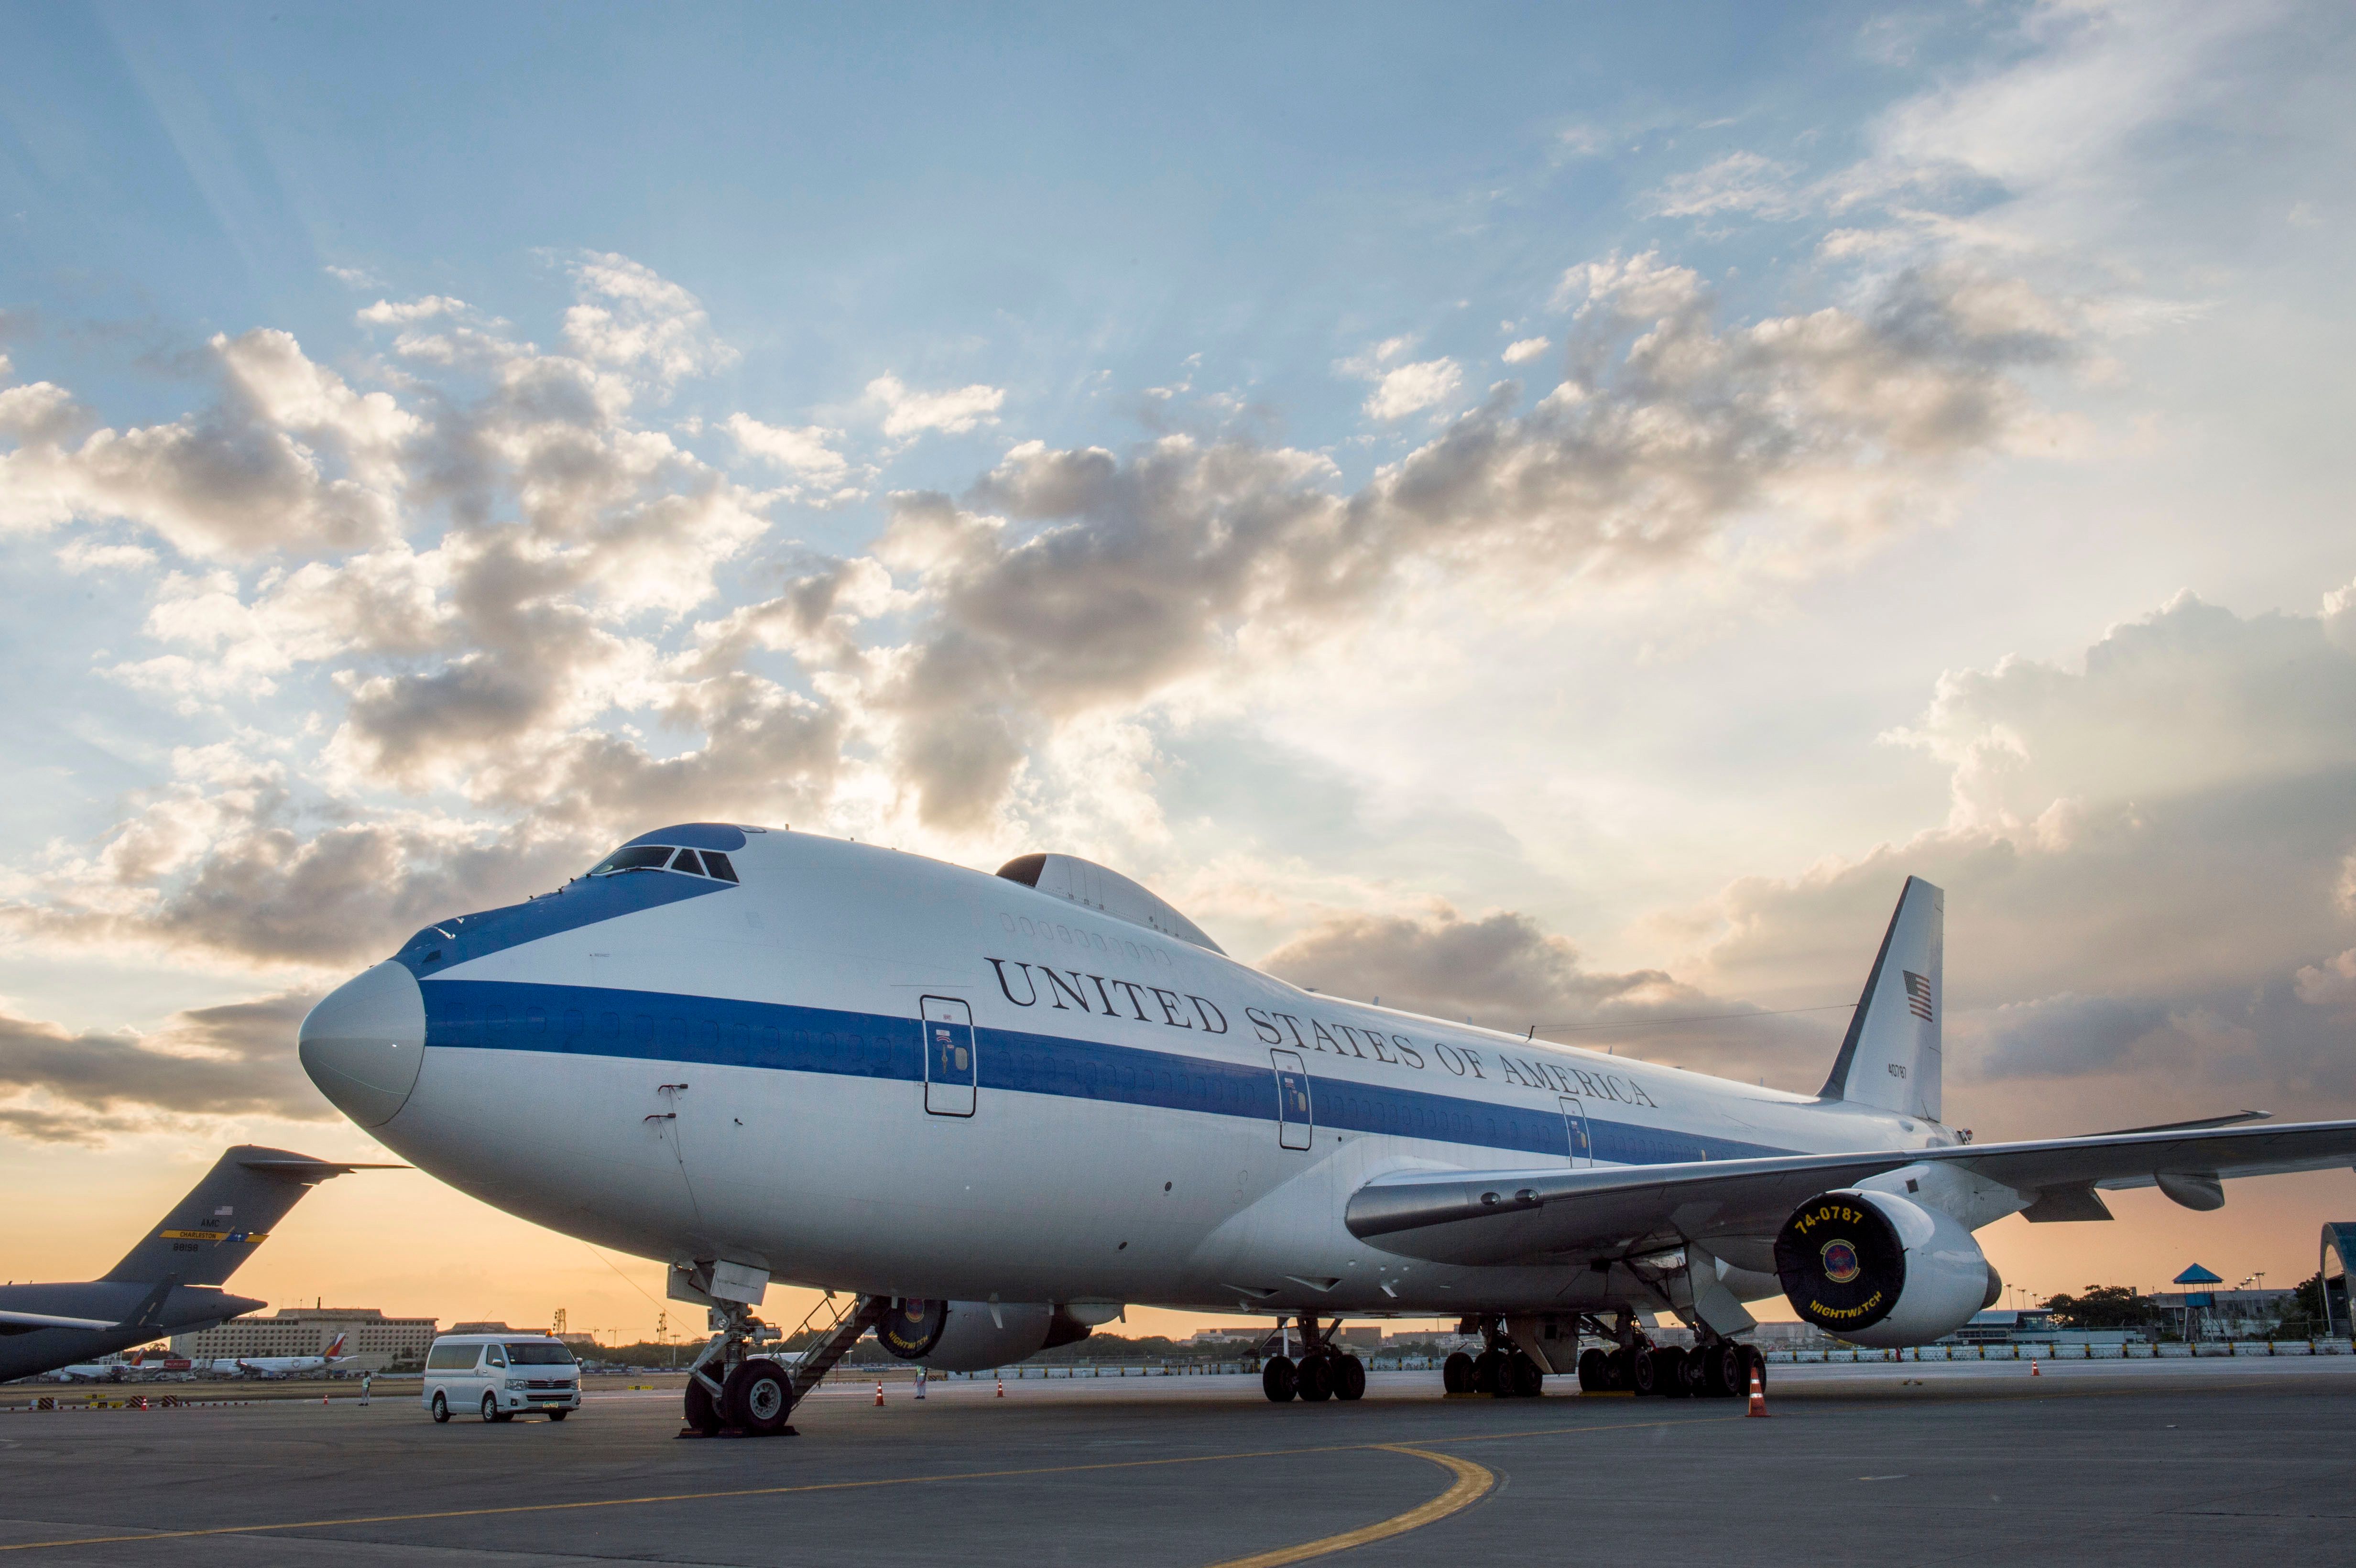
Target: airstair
839,1325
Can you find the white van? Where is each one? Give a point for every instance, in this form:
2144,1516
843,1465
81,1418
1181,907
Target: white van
501,1376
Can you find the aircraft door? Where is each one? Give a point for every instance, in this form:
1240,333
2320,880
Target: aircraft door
1294,1124
1582,1144
950,1064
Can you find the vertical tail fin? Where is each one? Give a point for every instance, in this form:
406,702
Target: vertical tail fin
334,1348
1890,1059
225,1216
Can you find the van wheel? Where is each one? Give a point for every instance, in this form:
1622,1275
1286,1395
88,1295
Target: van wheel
490,1406
441,1406
558,1414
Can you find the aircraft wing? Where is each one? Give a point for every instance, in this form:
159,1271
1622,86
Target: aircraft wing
1478,1217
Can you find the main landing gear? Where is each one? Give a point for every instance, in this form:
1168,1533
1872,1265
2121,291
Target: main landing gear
1714,1369
1323,1370
1502,1369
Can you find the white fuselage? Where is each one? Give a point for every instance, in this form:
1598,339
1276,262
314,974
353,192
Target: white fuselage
740,1075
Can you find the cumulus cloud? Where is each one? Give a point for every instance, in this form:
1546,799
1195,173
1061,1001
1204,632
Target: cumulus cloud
1072,578
288,457
630,316
553,654
1501,968
804,451
1401,386
952,412
235,1059
1521,350
2146,870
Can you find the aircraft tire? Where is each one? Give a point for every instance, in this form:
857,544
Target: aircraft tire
1675,1381
1279,1380
1456,1373
1316,1378
1648,1371
1350,1379
1723,1368
441,1407
1754,1361
1594,1371
1523,1378
703,1411
490,1406
1486,1368
757,1397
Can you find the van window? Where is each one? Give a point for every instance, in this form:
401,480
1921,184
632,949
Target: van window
494,1358
451,1357
539,1355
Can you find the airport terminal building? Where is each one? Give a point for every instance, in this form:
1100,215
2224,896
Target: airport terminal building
372,1341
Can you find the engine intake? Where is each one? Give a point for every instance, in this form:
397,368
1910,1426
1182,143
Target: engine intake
1878,1270
970,1335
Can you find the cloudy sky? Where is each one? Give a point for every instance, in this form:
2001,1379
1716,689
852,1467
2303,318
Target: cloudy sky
1545,518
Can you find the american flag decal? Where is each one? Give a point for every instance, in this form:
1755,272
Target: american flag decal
1917,995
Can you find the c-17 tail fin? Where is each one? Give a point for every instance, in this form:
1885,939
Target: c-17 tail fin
224,1216
1890,1059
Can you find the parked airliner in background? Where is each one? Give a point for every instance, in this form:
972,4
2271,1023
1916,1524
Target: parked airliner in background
283,1366
998,1108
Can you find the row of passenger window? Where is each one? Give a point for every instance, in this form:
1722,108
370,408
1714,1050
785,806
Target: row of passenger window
1048,931
709,863
867,1052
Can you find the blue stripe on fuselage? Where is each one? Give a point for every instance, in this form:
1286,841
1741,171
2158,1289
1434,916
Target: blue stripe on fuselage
661,1026
584,900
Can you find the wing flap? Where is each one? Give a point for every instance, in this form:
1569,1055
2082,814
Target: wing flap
1474,1217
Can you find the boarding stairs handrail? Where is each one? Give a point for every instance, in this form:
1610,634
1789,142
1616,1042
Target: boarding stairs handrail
846,1323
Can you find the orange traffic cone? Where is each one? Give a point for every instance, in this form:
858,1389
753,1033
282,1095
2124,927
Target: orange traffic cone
1001,1388
879,1393
1758,1394
2036,1367
323,1398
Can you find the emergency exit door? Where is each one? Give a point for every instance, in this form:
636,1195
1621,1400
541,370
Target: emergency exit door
950,1068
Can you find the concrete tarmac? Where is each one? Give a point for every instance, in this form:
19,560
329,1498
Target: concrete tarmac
2217,1462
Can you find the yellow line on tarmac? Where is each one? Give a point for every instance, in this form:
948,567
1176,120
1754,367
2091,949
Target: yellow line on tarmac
1471,1483
854,1485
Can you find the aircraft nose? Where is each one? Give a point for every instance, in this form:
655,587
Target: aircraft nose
364,1042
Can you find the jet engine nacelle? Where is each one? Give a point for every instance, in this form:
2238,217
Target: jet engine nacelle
1878,1270
970,1335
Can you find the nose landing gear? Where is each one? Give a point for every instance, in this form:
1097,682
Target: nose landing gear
1324,1371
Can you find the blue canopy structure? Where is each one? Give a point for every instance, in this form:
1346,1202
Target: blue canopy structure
2196,1274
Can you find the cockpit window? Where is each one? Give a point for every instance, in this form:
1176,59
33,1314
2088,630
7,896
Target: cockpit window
640,858
657,857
